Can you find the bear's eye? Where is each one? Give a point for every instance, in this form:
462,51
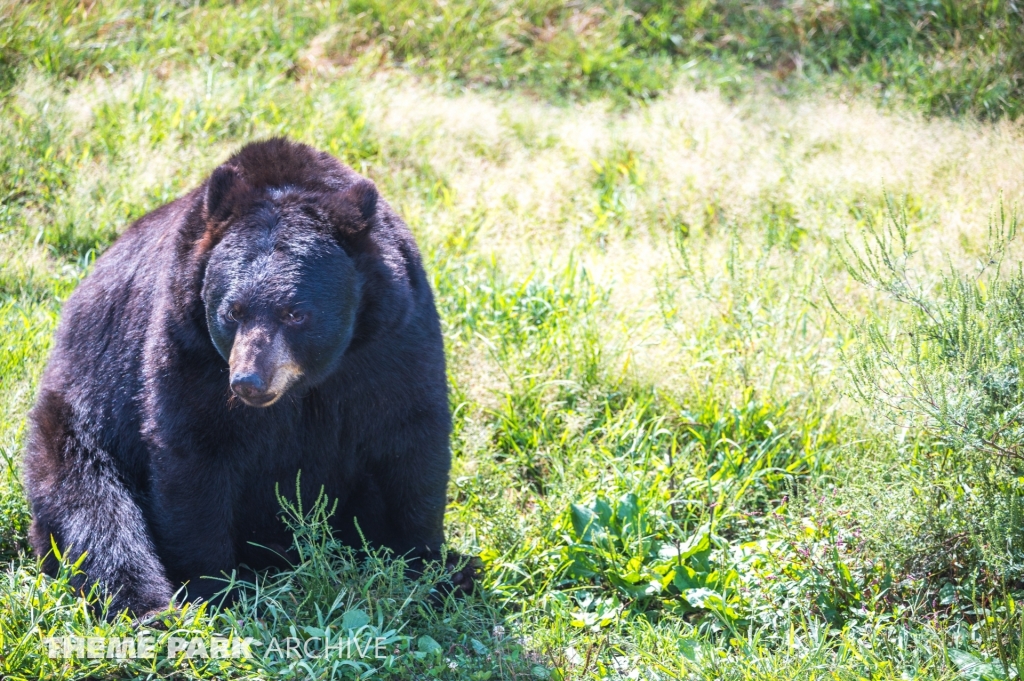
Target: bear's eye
294,317
233,314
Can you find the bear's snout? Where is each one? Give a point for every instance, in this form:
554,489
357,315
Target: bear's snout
251,388
262,367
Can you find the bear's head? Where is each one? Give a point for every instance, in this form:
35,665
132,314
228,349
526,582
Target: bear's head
281,289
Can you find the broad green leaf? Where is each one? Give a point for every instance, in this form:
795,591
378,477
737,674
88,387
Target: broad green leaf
587,524
354,619
426,644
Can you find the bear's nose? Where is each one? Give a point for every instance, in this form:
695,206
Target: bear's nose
248,386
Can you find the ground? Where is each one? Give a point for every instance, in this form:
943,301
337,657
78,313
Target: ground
689,436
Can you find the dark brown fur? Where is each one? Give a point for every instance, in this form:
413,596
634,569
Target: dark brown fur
140,453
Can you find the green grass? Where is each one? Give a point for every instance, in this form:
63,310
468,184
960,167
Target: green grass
945,57
703,429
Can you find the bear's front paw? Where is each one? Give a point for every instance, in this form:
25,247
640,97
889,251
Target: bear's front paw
157,618
464,571
145,609
460,580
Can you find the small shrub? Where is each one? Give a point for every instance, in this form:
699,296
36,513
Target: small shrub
947,363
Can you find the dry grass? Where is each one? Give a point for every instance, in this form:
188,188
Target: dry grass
714,167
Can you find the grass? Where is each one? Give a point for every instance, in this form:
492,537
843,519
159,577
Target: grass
959,57
693,436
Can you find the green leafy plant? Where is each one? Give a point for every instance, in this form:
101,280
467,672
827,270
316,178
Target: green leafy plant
618,543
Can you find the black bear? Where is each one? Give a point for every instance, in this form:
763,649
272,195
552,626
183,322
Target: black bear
276,319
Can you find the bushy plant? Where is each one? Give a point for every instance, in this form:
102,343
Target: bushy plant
946,363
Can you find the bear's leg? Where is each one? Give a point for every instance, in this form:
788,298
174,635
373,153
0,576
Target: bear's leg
192,499
406,515
421,542
78,499
414,504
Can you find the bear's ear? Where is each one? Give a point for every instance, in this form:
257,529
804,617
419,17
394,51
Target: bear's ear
354,207
363,195
224,180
